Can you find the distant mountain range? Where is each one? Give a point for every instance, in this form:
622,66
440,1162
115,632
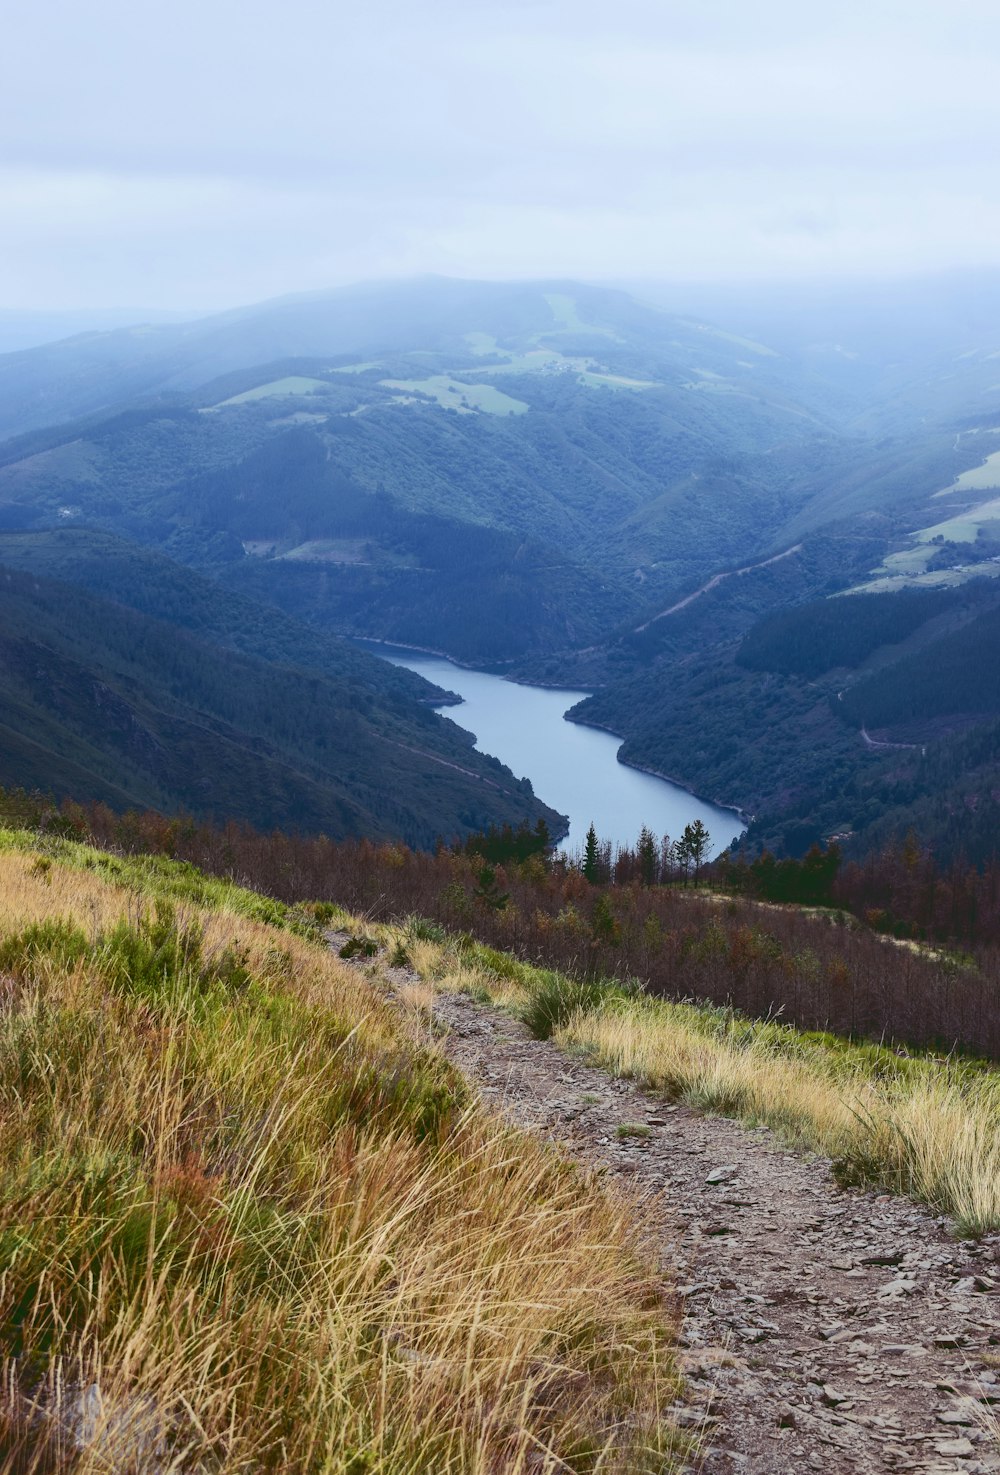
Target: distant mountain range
560,481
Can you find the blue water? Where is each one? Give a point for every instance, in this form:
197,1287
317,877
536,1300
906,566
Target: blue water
572,768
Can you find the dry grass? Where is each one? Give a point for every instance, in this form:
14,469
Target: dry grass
934,1135
916,1125
249,1222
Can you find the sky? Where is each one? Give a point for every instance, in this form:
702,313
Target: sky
207,153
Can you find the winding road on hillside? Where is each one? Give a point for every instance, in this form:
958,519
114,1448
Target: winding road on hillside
713,583
823,1329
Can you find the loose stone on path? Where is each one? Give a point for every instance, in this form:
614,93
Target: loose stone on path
824,1329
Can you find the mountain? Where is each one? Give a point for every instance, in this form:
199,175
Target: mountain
502,471
107,702
469,323
573,484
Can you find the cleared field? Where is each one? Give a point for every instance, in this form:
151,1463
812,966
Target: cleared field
938,579
761,349
354,368
596,380
977,478
453,394
908,566
329,550
964,526
275,389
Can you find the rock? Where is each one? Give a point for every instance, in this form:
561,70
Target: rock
956,1416
899,1287
785,1416
960,1447
688,1418
882,1257
950,1339
722,1175
833,1397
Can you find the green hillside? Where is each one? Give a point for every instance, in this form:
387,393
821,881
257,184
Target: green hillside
556,480
777,719
106,702
254,1219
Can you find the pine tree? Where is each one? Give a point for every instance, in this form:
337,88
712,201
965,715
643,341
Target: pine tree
693,847
649,857
591,856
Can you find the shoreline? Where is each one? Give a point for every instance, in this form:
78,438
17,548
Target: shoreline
741,814
429,650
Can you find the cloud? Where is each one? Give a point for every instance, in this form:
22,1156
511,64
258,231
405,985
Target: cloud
219,152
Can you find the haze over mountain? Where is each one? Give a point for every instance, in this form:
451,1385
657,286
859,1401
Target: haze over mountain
542,477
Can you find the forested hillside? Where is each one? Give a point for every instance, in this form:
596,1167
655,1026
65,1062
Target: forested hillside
105,702
837,717
562,482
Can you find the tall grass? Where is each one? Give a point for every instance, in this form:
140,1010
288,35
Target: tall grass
914,1124
250,1222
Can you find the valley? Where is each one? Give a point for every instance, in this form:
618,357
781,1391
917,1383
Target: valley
500,739
566,484
576,767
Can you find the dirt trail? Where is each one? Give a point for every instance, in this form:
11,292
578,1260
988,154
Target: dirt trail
823,1329
713,583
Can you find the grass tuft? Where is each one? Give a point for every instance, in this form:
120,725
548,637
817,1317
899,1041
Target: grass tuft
916,1124
249,1221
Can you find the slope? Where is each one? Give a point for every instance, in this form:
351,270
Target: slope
790,716
110,703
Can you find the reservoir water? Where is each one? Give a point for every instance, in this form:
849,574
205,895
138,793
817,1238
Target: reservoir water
574,769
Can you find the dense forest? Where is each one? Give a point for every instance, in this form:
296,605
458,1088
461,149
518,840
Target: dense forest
116,705
814,638
957,676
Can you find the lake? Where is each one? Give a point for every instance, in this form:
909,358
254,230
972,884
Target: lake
575,769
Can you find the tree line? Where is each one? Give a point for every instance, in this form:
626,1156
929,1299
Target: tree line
721,940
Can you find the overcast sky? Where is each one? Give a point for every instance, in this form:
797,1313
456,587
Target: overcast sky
204,153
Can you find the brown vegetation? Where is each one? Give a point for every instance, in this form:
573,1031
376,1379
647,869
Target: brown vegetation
820,969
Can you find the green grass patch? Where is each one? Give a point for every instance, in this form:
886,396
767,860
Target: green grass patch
293,384
633,1129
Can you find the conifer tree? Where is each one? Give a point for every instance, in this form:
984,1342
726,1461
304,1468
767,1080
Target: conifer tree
591,856
649,857
693,847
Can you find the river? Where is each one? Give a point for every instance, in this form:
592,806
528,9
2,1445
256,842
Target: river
575,769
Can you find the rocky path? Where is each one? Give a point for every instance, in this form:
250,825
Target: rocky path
823,1329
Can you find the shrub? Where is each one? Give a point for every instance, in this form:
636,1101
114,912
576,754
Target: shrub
554,999
359,947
